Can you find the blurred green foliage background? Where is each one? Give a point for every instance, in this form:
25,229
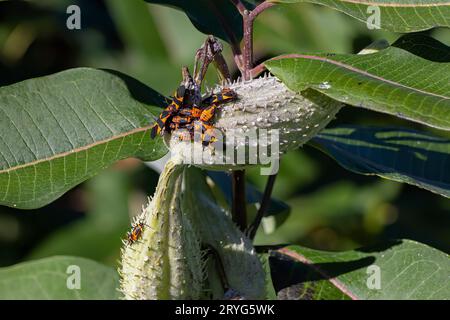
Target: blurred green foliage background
331,208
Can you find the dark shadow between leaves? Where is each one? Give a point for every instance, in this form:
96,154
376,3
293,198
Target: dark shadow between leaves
303,280
380,247
267,248
218,17
288,273
295,279
422,45
12,12
139,91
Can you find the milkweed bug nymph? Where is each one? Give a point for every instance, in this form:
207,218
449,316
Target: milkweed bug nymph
135,233
170,111
180,115
224,96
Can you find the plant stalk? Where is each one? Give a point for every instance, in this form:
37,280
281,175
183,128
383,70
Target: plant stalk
239,207
249,19
265,202
244,62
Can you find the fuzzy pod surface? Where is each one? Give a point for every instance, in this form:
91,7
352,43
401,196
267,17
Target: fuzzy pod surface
265,107
244,273
165,262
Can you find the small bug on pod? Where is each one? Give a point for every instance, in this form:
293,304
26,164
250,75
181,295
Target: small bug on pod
135,233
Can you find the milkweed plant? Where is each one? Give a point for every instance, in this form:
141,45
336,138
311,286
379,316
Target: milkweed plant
60,130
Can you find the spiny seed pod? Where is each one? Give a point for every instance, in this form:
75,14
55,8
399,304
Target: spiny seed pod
165,262
274,118
242,268
266,103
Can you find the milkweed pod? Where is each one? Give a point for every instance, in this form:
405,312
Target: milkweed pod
166,261
243,270
266,120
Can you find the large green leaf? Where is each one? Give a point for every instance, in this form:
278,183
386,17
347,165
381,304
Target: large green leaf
392,81
406,269
216,17
54,279
398,154
59,130
395,15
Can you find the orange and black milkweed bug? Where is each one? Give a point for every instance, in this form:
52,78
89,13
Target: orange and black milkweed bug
193,118
135,233
171,110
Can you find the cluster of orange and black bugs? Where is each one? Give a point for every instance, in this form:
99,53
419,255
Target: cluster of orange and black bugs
179,114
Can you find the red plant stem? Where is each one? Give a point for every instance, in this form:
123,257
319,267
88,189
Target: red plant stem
256,71
244,62
248,46
235,47
239,5
237,55
249,18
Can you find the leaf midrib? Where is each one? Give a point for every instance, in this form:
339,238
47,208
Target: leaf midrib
359,71
394,5
337,283
397,5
